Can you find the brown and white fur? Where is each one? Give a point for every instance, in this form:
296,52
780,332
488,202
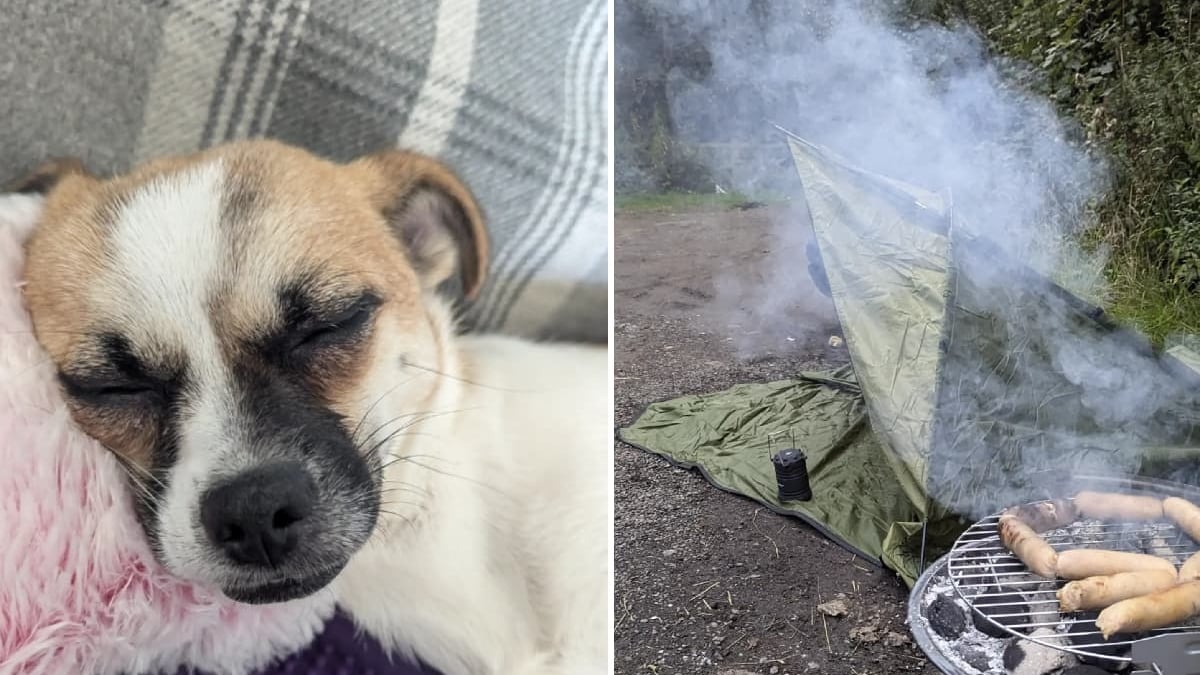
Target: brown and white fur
257,334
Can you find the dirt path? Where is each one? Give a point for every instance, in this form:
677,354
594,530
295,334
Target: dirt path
707,582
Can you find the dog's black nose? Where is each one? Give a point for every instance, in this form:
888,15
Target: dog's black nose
257,517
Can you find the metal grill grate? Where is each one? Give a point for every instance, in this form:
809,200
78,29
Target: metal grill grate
986,575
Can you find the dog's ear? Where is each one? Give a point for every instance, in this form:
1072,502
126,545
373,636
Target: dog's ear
432,212
43,179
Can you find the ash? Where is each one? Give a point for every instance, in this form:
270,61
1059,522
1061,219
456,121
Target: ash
1159,539
970,640
1138,537
974,651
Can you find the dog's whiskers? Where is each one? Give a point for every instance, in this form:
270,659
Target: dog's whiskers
403,431
134,467
385,488
373,451
448,474
400,458
390,502
390,422
407,521
363,418
141,489
435,371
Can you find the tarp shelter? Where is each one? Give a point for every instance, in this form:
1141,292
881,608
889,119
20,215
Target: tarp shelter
974,383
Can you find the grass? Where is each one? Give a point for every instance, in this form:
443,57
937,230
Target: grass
1136,294
691,201
1139,299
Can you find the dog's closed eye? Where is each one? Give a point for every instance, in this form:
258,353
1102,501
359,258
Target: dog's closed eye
110,392
338,328
110,374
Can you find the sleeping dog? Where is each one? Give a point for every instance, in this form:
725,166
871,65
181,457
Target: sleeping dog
257,335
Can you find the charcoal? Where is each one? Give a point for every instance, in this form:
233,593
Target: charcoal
990,596
946,618
1086,622
1014,655
977,659
1026,657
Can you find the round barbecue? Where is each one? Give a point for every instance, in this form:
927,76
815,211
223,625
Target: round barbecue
1008,606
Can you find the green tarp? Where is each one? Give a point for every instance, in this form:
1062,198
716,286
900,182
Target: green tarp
728,436
973,383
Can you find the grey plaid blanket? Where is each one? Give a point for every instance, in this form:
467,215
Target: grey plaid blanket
511,94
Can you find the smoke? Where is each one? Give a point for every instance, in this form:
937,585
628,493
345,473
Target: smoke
927,104
924,103
778,302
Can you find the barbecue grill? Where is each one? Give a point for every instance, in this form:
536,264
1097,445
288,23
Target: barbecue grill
998,587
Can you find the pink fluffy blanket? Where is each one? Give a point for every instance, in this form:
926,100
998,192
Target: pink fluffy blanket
80,591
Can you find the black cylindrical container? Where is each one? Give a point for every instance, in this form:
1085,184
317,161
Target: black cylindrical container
791,475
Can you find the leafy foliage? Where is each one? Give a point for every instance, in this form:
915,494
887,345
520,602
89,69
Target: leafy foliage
650,157
1129,72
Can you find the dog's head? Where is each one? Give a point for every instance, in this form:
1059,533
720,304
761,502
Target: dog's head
227,323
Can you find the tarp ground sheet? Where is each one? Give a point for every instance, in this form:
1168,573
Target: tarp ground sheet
963,388
728,436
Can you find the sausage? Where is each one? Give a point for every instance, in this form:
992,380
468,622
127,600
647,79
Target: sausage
1046,515
1190,569
1101,591
1081,563
1032,550
1146,612
1184,514
1113,506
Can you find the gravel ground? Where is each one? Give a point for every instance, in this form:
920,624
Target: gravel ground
709,582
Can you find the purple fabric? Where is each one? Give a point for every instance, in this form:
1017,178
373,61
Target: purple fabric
342,650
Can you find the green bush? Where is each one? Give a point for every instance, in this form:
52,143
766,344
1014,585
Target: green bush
650,158
1129,72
